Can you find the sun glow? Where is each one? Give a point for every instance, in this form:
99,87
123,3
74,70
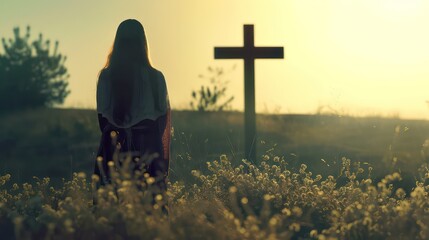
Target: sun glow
351,54
401,7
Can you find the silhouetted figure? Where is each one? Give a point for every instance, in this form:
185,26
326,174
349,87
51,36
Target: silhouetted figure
133,108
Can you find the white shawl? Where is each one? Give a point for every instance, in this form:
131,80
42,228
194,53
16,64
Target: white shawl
150,97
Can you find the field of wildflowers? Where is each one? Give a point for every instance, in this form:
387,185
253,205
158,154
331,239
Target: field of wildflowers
246,201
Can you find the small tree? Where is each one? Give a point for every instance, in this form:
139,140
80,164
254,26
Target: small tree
209,98
30,75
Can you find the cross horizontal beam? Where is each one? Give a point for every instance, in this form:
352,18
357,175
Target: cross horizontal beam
243,53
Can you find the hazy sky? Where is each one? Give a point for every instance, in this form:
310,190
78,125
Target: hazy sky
361,57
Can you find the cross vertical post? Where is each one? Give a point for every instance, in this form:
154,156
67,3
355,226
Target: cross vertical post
249,53
249,95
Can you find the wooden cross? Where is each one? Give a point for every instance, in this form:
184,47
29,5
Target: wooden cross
249,53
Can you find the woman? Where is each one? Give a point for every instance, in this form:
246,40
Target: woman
133,108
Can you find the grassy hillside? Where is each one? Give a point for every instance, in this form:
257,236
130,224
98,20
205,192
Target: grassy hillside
274,198
57,142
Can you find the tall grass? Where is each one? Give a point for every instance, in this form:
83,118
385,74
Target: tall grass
311,193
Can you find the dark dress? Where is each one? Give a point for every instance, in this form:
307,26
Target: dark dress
145,138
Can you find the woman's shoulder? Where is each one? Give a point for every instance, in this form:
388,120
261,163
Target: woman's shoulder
155,75
104,73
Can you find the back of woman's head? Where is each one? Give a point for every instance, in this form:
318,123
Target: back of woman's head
129,53
130,44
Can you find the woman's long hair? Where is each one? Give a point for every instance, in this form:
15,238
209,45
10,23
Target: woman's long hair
129,53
